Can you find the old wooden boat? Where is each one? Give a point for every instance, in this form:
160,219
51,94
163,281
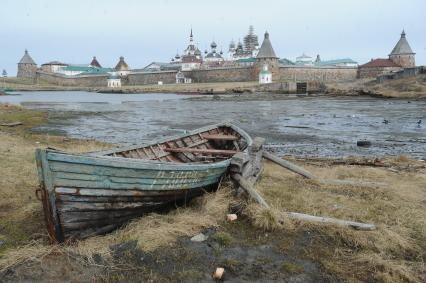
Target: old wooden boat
94,193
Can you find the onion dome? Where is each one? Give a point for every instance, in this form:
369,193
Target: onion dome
205,51
213,45
197,52
214,55
232,45
221,52
122,65
177,57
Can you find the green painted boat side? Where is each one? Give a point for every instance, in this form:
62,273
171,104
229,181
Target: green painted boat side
93,193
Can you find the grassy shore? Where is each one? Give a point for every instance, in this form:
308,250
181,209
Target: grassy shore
256,247
412,88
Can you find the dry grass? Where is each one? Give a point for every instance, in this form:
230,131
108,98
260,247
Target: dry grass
394,253
155,230
150,231
21,216
414,87
403,88
267,219
32,251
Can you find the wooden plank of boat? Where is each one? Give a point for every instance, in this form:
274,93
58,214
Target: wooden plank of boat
205,151
220,137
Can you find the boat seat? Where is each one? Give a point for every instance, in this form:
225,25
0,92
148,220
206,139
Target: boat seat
220,137
199,150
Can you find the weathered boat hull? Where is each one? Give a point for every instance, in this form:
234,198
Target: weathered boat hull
91,194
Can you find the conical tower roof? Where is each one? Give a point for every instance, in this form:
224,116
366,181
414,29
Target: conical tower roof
402,47
266,50
122,65
95,63
26,59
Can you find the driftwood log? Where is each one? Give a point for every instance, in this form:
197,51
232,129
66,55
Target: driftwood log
13,124
246,168
251,191
319,219
288,165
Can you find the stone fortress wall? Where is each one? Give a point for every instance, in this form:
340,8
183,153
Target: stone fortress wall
234,74
320,74
77,81
363,73
146,78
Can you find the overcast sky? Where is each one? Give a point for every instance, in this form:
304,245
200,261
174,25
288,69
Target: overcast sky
146,31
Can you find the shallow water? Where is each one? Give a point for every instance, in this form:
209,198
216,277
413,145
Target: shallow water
309,126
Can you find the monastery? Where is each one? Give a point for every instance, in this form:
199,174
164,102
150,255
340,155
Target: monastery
244,61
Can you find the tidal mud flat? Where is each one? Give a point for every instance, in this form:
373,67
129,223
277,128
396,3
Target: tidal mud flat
314,126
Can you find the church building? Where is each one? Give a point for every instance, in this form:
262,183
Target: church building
213,58
250,48
192,58
265,76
